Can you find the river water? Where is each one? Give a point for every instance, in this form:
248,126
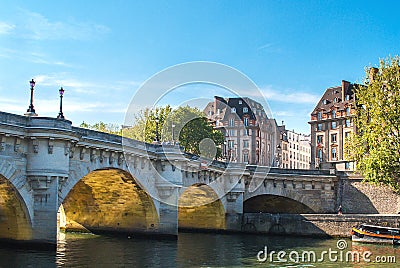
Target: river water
200,250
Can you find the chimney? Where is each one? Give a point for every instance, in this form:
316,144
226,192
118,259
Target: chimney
372,73
345,86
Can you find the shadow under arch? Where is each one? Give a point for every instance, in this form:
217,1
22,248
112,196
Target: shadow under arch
268,203
109,200
15,223
200,209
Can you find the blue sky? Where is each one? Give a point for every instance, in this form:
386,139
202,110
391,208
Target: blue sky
102,51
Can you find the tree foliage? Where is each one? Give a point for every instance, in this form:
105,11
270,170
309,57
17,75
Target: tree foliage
103,127
376,145
186,125
144,128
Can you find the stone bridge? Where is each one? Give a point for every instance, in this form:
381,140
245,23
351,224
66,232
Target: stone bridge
52,172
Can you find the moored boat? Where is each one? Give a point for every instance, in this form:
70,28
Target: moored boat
366,233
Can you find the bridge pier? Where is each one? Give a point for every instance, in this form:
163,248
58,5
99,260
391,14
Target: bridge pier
45,207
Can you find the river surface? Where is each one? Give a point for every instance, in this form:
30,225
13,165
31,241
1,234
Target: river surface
200,250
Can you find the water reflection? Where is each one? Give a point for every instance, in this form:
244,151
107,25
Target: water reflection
190,250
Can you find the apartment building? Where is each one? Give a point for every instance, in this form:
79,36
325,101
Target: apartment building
250,136
331,123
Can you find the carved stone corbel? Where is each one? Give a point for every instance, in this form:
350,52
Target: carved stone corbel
2,143
35,144
92,155
120,159
82,153
51,146
111,158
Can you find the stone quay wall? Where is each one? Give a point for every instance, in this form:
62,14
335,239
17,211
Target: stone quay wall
323,225
358,197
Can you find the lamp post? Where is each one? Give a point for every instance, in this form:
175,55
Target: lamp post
173,133
278,155
31,109
60,114
157,137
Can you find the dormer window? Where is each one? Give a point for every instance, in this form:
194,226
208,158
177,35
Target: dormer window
246,121
336,100
325,101
245,110
233,110
240,102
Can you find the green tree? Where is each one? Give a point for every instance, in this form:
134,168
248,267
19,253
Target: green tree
144,128
186,125
103,127
376,145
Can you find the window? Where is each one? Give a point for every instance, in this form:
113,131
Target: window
320,154
333,113
246,157
231,122
348,123
347,97
217,122
348,111
319,127
347,165
231,132
334,153
335,100
333,125
245,144
210,112
230,144
240,102
269,148
218,111
233,110
247,132
246,121
347,135
319,116
320,139
333,137
245,109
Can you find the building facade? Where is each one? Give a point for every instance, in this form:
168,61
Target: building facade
250,136
331,123
296,149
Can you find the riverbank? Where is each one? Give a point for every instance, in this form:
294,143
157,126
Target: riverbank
328,225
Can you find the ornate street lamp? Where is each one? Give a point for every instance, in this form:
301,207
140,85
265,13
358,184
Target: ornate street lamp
60,114
157,137
31,109
173,133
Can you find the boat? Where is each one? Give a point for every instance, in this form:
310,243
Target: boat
366,233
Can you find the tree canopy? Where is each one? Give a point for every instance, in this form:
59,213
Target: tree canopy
376,144
186,125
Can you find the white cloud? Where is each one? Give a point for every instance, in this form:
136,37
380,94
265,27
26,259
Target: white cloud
6,28
32,25
289,96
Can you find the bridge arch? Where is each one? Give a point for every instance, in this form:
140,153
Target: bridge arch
200,208
270,203
109,199
15,222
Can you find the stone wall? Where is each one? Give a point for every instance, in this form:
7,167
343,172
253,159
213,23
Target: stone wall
312,224
364,198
